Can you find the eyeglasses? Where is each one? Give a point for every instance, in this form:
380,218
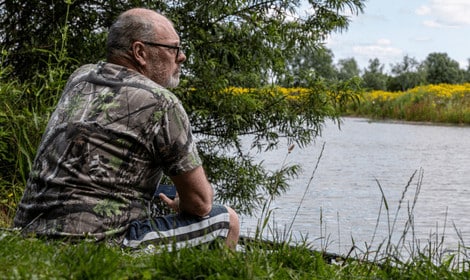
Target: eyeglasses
177,48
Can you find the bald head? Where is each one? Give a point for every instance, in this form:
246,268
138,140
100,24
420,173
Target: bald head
145,41
145,15
136,24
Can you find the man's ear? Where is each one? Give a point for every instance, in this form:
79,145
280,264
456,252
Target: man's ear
139,52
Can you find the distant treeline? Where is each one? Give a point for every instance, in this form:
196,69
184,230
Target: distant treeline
437,68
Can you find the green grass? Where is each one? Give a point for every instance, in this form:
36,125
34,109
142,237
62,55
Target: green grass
30,258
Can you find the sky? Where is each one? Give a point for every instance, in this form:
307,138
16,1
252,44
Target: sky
390,29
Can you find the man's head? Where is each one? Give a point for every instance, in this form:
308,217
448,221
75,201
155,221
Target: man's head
146,41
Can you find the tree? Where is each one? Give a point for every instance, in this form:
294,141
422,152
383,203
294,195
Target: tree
407,74
348,69
308,65
374,77
35,30
466,73
440,68
228,43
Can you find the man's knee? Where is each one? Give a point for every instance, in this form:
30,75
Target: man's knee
233,216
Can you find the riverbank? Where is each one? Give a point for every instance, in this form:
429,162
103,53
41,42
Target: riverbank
30,258
436,104
405,122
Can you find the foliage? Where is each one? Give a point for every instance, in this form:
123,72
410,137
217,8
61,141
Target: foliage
348,69
437,68
309,65
443,103
406,75
35,29
374,77
239,43
440,68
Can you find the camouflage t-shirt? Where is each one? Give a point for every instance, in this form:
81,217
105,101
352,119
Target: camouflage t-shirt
112,136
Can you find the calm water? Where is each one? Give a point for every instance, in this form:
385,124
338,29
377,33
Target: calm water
344,199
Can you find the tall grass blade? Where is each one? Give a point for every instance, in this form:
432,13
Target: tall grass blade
307,187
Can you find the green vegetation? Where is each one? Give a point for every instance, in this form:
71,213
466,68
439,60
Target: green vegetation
442,103
36,259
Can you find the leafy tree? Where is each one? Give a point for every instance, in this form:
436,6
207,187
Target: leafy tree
348,69
440,68
374,77
228,43
35,28
308,65
466,73
405,75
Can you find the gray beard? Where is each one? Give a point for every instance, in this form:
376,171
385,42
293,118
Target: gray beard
173,81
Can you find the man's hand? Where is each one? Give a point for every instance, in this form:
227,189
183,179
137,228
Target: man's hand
172,203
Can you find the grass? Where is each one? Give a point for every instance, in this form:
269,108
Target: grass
31,258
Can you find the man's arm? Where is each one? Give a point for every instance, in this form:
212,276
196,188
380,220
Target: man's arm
195,194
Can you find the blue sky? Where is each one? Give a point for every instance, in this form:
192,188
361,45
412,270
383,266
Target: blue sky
390,29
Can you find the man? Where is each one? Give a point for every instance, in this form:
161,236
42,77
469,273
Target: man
114,133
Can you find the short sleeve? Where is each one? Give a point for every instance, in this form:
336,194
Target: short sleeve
174,143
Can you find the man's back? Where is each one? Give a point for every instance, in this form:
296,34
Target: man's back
106,146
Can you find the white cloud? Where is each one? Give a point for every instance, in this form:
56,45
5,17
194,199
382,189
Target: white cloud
382,49
432,24
443,13
377,51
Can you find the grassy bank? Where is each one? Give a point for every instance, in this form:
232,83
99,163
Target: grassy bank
441,103
36,259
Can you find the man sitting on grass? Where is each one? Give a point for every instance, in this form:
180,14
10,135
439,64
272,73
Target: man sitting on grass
116,130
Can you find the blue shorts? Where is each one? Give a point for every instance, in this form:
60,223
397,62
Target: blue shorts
178,230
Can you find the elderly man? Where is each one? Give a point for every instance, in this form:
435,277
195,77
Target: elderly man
116,130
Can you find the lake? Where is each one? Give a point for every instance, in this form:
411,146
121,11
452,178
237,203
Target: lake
344,202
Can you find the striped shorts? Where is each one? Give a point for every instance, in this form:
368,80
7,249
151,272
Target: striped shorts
178,230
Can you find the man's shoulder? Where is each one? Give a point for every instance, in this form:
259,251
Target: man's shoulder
136,81
81,71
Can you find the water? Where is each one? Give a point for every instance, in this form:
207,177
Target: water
344,200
